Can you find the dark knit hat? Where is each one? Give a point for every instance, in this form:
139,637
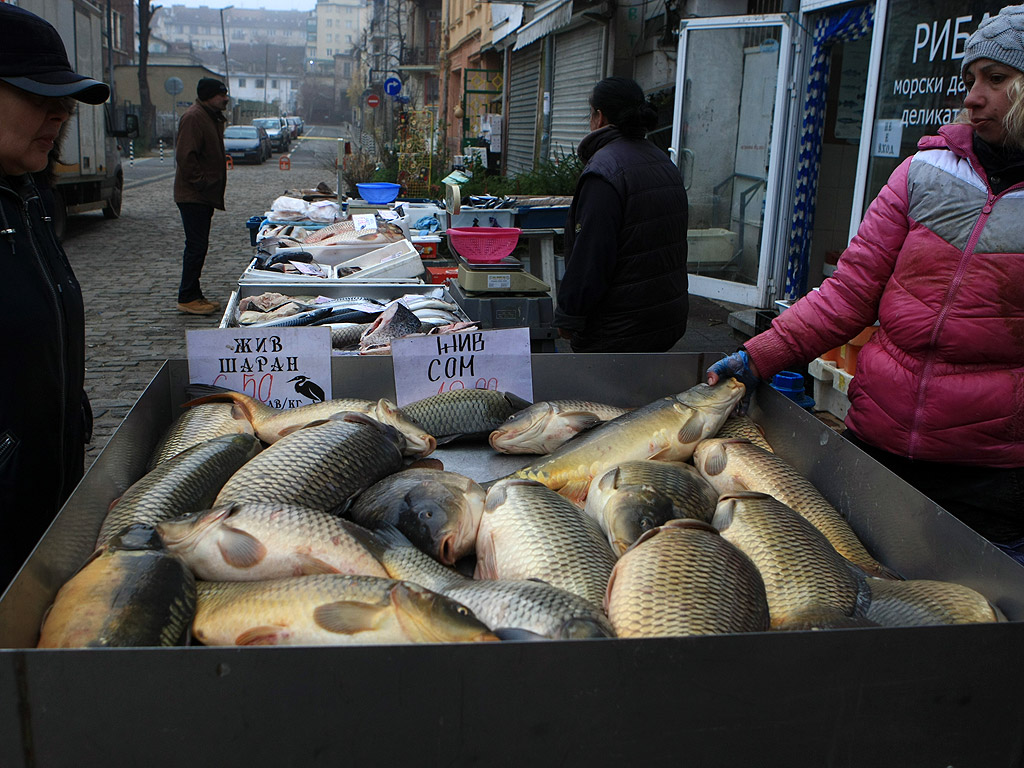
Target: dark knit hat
1000,38
208,87
33,58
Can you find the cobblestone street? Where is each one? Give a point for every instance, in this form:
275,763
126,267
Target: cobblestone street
129,269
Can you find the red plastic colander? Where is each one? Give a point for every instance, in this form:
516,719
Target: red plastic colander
483,245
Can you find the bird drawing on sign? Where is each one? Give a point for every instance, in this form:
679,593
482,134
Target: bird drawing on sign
307,388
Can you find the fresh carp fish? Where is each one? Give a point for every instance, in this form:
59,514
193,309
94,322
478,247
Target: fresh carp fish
530,532
271,424
548,424
668,429
803,574
463,413
184,483
330,610
321,466
738,465
685,579
634,497
744,428
197,425
129,593
924,602
502,604
255,542
438,511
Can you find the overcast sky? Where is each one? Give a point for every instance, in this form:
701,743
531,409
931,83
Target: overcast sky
270,5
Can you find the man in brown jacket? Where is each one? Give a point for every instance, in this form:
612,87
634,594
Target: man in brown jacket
199,181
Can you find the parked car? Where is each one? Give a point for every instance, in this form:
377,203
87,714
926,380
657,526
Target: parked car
247,142
277,130
297,127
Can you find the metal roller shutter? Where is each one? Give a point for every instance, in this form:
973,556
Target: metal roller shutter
579,64
523,109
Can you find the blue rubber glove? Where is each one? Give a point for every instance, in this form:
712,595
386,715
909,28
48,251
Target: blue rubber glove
736,365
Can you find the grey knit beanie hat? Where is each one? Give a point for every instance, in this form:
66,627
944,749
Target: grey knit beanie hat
1000,38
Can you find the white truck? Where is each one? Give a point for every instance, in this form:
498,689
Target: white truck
90,176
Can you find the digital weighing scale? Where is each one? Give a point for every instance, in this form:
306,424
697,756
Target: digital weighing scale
505,276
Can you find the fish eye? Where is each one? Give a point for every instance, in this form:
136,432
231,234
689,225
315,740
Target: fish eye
426,513
462,610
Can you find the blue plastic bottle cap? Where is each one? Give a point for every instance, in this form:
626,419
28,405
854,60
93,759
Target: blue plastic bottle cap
788,382
792,386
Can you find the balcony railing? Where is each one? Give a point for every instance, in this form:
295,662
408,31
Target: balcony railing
412,56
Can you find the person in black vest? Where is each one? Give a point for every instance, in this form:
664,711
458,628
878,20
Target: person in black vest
625,284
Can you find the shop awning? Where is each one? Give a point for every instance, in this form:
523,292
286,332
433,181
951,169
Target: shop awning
551,15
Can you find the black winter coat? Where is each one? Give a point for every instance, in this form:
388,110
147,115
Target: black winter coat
44,413
625,287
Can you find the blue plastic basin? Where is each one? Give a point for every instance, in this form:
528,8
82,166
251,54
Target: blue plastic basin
378,192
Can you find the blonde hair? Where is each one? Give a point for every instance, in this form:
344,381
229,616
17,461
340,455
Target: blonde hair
1013,120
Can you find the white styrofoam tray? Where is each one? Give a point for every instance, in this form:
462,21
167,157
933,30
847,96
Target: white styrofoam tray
380,291
398,260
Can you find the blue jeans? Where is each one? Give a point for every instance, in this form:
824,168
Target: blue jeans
196,219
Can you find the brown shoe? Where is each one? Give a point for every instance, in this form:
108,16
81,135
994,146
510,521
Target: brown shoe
199,307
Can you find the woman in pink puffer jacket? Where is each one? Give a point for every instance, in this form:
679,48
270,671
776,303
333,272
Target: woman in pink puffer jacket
939,261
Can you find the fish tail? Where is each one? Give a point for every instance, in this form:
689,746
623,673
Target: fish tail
254,410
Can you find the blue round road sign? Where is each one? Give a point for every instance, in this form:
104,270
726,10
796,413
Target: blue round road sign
392,86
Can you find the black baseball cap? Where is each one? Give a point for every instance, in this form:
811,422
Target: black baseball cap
33,58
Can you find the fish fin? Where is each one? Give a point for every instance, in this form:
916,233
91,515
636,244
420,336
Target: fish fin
692,429
240,549
263,635
714,461
576,490
253,409
288,430
496,495
430,463
486,565
312,566
581,421
345,617
445,439
516,402
518,634
391,536
375,541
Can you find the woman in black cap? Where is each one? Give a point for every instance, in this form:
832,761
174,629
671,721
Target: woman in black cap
44,412
625,286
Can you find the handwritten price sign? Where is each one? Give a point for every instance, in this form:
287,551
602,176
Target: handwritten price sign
282,367
496,359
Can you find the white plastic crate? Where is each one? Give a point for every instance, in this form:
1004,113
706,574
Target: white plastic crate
831,387
397,260
333,254
254,275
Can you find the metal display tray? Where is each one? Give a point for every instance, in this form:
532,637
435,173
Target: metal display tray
928,696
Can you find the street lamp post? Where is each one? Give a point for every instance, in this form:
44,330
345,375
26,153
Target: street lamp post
224,41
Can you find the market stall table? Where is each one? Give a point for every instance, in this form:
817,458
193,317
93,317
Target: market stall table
869,696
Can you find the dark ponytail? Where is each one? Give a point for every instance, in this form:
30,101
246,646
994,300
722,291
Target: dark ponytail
623,104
